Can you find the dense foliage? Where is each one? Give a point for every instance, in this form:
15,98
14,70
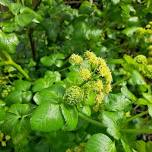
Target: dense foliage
75,76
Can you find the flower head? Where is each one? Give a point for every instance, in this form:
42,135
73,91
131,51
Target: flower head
85,73
91,57
148,71
73,95
75,59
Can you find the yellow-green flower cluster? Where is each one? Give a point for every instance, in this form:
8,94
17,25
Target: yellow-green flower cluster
104,71
99,85
146,30
96,77
75,59
144,65
73,95
148,71
85,74
91,57
141,59
4,139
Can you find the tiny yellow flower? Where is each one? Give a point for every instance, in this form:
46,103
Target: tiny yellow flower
91,57
107,88
101,62
73,95
99,85
85,74
99,97
103,70
75,59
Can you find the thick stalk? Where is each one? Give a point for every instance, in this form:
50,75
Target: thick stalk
137,131
137,116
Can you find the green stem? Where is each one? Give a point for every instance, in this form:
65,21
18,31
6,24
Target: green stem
137,131
116,61
94,122
138,115
19,68
11,62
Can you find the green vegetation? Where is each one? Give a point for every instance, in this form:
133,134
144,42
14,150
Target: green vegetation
75,76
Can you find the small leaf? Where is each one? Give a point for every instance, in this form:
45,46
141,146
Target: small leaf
70,115
8,42
100,143
46,118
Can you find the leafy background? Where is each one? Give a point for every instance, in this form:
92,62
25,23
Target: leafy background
36,40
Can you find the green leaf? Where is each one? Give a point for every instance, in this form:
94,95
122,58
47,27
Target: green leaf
70,115
115,1
128,93
137,78
113,120
55,59
8,42
22,85
117,102
2,114
150,109
26,96
15,8
16,118
100,143
130,31
126,146
52,94
142,146
14,97
47,117
148,97
49,78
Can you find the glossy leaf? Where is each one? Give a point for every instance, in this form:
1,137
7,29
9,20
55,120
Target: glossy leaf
70,115
8,42
47,118
100,143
